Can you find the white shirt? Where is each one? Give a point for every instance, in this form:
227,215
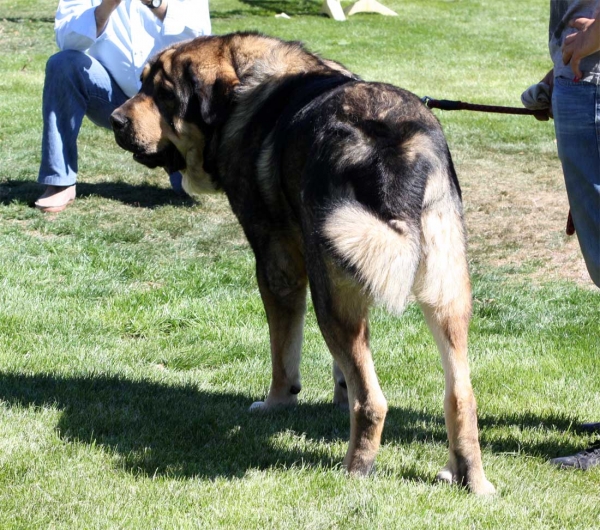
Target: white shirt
132,35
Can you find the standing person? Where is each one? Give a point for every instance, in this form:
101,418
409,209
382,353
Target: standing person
104,45
575,87
575,51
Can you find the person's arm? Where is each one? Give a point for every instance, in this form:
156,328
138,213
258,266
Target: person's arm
583,43
75,24
79,23
103,13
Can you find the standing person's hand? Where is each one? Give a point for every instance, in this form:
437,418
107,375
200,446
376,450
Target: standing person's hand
581,44
103,13
538,97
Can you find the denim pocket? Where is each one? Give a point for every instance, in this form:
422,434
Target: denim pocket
569,83
574,105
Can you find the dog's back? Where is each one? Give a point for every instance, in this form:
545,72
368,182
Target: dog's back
375,167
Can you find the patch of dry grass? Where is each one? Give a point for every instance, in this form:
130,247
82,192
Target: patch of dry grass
516,211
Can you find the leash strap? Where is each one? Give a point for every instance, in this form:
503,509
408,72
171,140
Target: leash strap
446,104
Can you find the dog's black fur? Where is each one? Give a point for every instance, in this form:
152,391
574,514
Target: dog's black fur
340,183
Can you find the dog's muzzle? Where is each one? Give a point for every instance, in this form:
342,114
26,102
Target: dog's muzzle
121,126
169,157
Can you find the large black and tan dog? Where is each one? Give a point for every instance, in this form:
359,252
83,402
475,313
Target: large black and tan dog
339,184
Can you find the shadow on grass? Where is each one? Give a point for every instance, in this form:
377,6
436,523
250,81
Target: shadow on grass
157,429
27,18
140,196
291,7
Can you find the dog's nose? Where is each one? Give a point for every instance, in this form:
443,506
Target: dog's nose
118,121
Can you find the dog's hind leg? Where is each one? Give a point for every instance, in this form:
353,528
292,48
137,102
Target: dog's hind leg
374,260
282,284
342,313
444,291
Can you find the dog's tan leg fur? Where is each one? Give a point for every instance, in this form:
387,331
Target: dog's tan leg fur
367,404
443,288
285,316
283,283
345,326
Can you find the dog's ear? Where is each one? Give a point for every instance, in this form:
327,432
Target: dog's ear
214,97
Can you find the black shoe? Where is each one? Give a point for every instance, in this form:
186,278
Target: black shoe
590,427
583,460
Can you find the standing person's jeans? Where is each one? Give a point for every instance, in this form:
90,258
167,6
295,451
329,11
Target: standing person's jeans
76,85
576,108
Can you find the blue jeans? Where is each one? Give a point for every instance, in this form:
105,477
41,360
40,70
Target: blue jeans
76,85
576,108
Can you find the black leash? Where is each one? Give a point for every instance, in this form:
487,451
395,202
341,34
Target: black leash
446,104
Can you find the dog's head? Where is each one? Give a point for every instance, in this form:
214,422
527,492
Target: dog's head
189,91
185,97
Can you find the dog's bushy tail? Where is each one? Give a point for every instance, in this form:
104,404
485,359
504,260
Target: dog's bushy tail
383,255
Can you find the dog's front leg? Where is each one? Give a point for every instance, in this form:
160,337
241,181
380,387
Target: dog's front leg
285,315
340,388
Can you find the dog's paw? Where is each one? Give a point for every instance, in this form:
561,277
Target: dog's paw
257,406
484,487
481,486
445,475
271,403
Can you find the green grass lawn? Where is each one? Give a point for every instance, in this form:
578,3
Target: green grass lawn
133,338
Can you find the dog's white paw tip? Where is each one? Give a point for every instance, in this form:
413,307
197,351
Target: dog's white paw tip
256,406
445,475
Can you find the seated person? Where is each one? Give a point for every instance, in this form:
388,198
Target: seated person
104,45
